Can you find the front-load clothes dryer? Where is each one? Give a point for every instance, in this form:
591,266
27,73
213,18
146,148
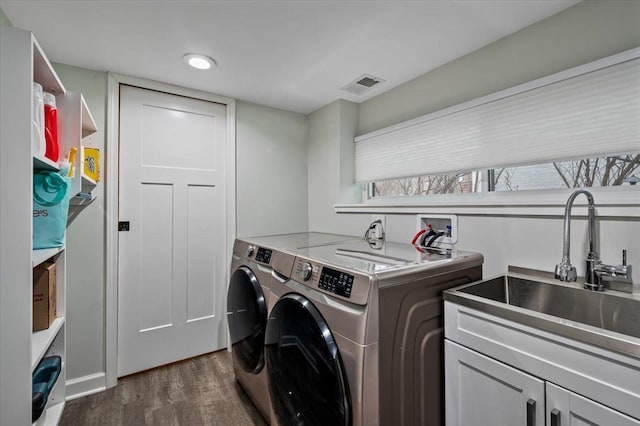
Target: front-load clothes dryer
247,304
355,333
247,318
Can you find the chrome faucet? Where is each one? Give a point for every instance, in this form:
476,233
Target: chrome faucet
595,271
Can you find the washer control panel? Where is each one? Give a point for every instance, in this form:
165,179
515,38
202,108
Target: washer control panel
336,282
264,255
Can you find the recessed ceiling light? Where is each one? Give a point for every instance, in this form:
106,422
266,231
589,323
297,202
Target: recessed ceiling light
198,61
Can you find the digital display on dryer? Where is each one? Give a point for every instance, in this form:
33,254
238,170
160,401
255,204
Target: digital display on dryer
336,282
264,255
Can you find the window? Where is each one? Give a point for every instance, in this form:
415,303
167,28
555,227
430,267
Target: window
585,173
456,183
588,172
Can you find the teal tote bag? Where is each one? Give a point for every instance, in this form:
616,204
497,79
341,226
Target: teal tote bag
50,208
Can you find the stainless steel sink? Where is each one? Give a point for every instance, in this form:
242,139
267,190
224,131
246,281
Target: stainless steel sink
607,319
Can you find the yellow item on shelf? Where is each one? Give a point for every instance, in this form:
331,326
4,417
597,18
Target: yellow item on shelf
91,162
72,160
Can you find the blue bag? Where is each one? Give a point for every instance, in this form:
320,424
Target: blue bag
50,208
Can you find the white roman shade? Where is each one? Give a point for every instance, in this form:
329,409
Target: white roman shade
588,111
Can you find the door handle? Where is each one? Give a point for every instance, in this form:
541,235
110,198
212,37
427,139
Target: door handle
555,417
531,412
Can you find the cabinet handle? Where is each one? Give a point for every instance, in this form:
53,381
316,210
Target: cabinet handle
531,412
555,417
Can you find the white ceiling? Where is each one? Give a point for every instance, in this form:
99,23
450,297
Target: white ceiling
294,55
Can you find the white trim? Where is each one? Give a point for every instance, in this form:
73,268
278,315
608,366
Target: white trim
612,201
521,88
231,188
113,102
111,223
171,89
85,385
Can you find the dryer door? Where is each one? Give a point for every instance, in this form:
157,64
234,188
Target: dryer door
247,318
307,383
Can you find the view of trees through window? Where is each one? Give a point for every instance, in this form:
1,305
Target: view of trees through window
590,172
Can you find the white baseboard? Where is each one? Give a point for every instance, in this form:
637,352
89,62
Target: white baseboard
86,385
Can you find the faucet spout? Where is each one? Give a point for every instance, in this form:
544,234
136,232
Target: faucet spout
596,272
564,270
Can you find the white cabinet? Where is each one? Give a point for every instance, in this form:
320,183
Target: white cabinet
482,391
22,62
495,369
568,408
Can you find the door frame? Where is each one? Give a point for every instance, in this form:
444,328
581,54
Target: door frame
112,202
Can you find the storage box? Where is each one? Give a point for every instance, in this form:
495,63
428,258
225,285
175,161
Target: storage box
44,295
91,163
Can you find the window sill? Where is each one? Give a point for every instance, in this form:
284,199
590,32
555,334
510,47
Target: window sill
613,202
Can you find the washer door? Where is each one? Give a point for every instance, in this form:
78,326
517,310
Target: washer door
247,318
307,383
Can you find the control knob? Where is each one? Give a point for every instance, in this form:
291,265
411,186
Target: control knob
250,250
305,271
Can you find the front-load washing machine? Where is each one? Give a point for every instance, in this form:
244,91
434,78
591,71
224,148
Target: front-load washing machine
355,333
247,304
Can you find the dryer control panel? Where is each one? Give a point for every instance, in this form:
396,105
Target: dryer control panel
264,255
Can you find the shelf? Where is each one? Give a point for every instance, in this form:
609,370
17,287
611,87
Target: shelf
85,196
88,123
43,72
88,183
41,255
51,415
82,199
55,403
41,341
45,164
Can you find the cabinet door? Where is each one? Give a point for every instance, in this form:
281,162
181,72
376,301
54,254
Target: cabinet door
565,408
480,391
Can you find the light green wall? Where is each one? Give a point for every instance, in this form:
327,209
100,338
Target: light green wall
3,19
330,166
86,243
271,170
583,33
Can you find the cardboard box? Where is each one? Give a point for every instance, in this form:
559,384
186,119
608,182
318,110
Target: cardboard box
91,163
44,295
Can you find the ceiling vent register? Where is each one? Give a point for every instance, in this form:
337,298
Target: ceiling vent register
362,84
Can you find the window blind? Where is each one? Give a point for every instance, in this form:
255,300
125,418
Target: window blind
589,111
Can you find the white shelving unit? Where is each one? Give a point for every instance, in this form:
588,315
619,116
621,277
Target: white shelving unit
80,131
44,163
22,62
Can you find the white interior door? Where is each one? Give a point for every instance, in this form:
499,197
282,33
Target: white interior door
171,271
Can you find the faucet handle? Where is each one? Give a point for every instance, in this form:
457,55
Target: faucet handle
565,272
624,257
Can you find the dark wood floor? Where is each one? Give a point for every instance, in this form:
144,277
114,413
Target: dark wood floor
198,391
